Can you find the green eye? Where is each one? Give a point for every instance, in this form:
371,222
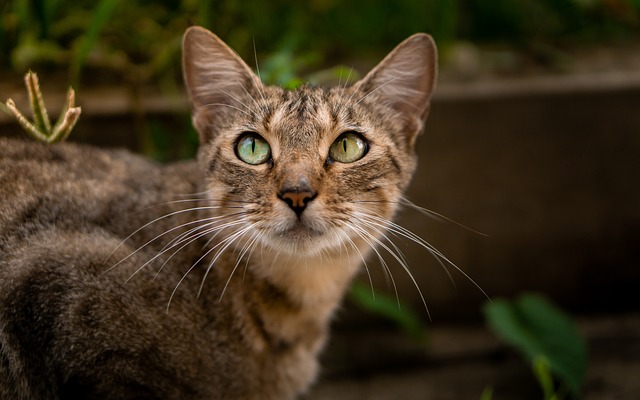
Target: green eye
348,147
253,149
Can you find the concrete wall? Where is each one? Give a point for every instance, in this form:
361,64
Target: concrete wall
552,179
550,174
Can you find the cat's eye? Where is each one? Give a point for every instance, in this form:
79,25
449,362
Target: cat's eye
253,149
348,147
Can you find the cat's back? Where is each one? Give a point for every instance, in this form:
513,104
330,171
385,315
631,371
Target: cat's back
70,206
78,187
64,209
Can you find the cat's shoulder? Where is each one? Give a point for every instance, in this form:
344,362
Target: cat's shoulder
32,163
67,155
78,185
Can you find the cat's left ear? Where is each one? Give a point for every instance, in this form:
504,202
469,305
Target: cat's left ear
405,80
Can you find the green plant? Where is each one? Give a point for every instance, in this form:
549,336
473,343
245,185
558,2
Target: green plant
546,337
99,17
41,128
402,315
487,393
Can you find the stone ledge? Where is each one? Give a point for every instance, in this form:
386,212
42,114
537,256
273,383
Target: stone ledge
463,360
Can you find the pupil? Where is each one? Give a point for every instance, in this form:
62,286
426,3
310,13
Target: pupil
253,145
344,144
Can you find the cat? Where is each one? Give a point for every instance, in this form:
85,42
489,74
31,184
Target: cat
116,285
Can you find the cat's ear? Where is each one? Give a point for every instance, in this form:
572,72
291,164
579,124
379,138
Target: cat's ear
404,80
216,79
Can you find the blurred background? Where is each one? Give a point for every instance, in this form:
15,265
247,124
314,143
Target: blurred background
533,141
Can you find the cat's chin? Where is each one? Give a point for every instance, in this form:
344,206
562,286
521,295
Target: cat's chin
301,240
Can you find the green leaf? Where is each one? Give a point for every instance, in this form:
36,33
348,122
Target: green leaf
544,377
99,18
389,308
538,329
487,393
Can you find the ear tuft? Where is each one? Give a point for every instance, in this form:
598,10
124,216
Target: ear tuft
405,80
215,78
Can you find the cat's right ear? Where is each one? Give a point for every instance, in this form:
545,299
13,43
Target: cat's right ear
215,78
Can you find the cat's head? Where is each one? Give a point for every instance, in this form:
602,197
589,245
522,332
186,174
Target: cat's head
311,170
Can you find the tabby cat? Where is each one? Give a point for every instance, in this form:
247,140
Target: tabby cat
214,279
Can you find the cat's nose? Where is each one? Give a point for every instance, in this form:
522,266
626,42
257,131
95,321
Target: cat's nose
297,197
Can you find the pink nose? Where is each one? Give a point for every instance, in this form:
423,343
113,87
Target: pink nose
297,199
297,192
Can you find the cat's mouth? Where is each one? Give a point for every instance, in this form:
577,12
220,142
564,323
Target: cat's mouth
300,231
302,236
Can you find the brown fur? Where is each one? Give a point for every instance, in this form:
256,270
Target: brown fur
89,310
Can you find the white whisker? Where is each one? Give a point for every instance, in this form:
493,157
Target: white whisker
370,241
404,232
188,241
184,276
250,96
241,254
402,264
157,237
255,114
381,86
364,263
259,84
229,241
208,105
210,229
434,214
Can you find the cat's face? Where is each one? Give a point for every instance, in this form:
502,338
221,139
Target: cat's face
313,170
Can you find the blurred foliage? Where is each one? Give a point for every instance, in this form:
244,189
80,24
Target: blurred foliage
546,336
391,309
137,42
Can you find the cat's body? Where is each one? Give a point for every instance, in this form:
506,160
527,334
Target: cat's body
72,208
226,287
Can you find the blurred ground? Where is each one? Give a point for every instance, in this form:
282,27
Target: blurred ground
461,361
547,164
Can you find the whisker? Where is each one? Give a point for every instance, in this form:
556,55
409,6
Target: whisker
150,241
425,211
202,193
210,221
346,82
431,213
238,260
381,86
253,245
250,96
343,101
208,105
259,84
195,236
364,263
184,276
190,240
369,239
229,241
426,245
404,266
386,224
255,114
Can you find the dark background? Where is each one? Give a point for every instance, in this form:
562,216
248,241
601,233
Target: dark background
533,139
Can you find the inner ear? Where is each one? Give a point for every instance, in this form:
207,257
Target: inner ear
405,80
216,79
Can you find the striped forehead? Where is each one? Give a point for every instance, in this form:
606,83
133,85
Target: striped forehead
302,116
